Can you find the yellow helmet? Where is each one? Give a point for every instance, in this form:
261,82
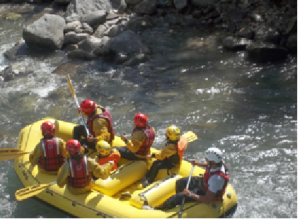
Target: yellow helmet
173,133
103,147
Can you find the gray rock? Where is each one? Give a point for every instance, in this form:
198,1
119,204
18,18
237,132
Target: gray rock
291,43
45,33
136,59
90,44
132,2
246,32
139,23
62,1
70,47
100,31
111,15
72,26
145,7
83,7
95,18
114,31
87,28
180,4
81,54
72,17
236,44
73,37
100,50
204,3
127,42
266,52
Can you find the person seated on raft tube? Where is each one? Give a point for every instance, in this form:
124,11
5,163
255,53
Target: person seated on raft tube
170,156
99,122
142,138
49,153
77,171
210,187
107,153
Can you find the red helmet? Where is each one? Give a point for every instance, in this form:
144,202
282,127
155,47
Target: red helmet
48,128
140,120
73,146
88,106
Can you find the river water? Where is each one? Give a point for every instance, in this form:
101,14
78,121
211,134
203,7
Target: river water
248,110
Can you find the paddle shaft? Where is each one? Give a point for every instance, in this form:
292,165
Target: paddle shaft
11,153
77,104
187,186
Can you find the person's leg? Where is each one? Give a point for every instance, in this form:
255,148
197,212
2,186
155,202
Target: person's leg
176,199
127,154
156,166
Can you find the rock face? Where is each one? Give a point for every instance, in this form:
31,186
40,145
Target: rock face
82,7
45,33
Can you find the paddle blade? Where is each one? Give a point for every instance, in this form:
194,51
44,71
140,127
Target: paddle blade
190,136
31,191
71,87
11,153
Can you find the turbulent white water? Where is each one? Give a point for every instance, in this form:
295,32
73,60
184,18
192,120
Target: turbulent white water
247,110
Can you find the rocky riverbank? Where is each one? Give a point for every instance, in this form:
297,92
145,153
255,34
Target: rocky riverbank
113,29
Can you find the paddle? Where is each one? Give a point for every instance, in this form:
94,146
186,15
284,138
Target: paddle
187,186
30,191
190,136
11,153
76,101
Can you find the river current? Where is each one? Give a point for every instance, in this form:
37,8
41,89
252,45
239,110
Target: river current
248,110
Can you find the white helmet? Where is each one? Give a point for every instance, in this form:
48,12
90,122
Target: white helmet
214,154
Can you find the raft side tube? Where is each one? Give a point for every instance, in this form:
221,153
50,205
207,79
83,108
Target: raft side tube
123,177
156,193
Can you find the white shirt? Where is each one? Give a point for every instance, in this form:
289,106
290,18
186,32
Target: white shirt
215,182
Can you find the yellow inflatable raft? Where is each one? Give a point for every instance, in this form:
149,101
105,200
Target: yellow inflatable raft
118,196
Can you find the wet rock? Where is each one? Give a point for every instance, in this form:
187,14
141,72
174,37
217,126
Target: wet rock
266,52
127,42
132,2
95,18
100,50
72,37
145,7
111,15
136,59
66,68
81,54
72,26
292,26
64,2
7,74
266,34
246,32
90,44
70,47
291,43
114,30
72,17
45,33
180,4
235,43
87,29
137,24
100,31
203,3
83,7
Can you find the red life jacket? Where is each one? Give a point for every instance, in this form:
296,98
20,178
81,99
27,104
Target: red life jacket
113,156
52,159
150,136
105,115
223,173
80,175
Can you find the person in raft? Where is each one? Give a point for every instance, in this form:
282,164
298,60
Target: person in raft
77,171
99,122
107,153
210,187
142,138
170,156
49,153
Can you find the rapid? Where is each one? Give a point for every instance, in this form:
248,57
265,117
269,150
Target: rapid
247,110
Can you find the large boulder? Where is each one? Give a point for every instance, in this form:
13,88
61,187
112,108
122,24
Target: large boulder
82,7
95,18
128,43
46,33
266,52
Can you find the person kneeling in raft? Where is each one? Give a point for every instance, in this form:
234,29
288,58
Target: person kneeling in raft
77,171
107,153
